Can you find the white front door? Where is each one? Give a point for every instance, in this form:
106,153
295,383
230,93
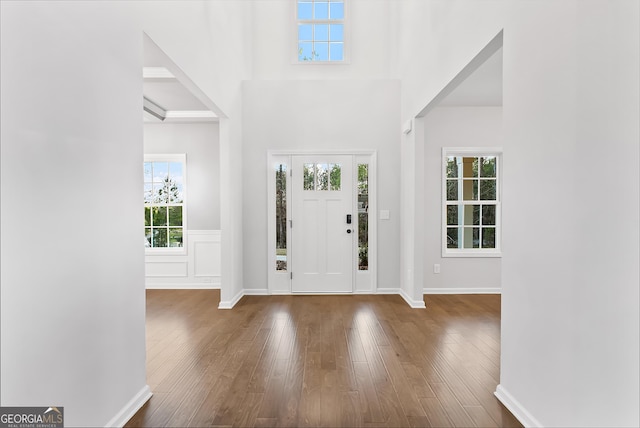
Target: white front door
322,229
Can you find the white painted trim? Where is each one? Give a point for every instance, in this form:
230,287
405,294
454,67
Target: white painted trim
462,290
156,73
201,273
214,285
229,304
388,291
186,81
256,292
446,252
210,232
275,279
130,409
305,152
517,409
416,304
188,116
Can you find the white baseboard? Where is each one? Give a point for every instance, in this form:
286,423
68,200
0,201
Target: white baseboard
462,290
130,408
229,304
388,291
256,292
215,285
514,406
416,304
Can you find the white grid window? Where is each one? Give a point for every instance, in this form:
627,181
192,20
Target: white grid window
320,30
164,201
471,202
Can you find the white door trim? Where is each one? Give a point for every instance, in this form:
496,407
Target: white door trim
279,282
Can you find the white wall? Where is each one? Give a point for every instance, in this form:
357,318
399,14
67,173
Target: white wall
435,40
200,265
308,115
211,43
71,102
367,36
571,102
455,127
72,265
201,143
570,278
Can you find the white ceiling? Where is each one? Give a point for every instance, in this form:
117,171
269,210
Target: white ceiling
164,90
482,88
170,95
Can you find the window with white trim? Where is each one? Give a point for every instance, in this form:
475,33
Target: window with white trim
471,202
320,30
164,202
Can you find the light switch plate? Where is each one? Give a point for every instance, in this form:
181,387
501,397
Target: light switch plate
384,214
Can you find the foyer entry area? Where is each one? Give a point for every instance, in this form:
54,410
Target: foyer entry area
335,360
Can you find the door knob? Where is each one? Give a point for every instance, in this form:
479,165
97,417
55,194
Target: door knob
348,230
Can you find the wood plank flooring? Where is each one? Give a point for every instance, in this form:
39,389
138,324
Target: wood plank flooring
325,361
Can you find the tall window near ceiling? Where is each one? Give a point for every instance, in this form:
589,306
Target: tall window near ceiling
164,201
471,202
320,30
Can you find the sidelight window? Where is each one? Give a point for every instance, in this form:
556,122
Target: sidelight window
363,216
281,217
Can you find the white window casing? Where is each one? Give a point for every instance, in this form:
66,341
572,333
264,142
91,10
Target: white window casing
471,202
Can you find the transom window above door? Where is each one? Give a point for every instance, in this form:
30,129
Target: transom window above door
320,29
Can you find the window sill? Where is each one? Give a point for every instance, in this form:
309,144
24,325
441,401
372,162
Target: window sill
472,254
321,63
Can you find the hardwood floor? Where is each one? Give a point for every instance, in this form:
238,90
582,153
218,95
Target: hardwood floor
298,361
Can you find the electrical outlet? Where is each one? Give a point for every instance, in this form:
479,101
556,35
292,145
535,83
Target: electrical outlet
436,268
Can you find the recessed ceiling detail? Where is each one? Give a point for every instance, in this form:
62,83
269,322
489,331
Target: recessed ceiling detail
156,73
166,99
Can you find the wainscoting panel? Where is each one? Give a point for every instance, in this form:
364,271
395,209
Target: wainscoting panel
203,253
198,268
165,268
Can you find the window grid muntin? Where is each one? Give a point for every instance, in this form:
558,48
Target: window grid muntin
155,230
456,174
322,176
313,21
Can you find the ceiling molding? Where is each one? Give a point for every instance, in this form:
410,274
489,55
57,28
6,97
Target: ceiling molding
153,109
174,116
156,73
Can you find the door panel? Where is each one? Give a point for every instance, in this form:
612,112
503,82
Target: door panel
322,249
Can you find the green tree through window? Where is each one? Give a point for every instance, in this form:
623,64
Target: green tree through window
164,203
